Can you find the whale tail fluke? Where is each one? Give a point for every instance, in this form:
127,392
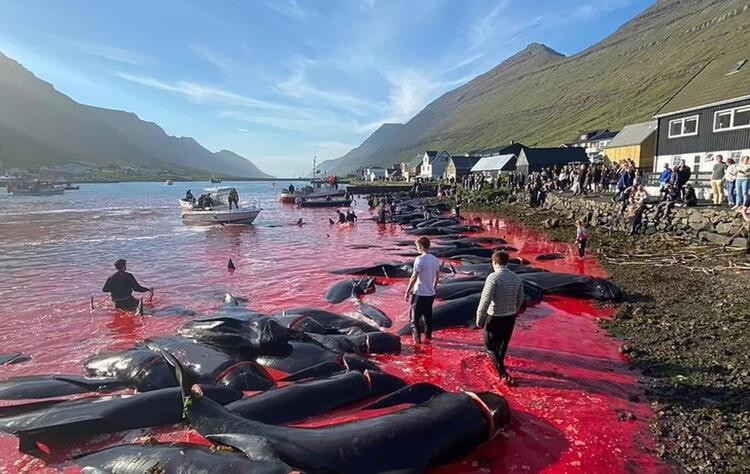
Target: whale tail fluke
230,265
413,394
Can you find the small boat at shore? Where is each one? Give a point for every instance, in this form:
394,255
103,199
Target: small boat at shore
70,187
218,211
215,180
169,182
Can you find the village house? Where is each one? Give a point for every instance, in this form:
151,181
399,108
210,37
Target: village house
459,166
375,173
492,166
593,142
709,116
413,168
636,142
534,159
434,164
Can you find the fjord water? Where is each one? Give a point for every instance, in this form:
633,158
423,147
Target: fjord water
572,412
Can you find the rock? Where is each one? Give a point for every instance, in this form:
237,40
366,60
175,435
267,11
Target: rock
714,238
740,242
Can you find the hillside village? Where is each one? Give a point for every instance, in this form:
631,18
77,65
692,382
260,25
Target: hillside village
707,117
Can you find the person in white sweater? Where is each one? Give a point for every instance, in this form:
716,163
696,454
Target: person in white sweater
502,298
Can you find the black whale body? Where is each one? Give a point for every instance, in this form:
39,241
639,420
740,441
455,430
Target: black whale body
55,421
178,458
444,428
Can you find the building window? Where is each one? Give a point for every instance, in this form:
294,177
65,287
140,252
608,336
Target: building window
735,155
676,160
683,127
732,119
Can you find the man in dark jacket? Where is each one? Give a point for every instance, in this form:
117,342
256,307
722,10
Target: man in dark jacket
121,286
682,172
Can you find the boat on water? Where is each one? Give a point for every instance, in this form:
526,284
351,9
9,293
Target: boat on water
215,209
318,188
34,188
169,182
70,187
324,202
215,180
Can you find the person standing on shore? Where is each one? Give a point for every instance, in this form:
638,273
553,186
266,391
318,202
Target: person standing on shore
422,284
742,183
717,180
121,286
502,298
730,175
581,238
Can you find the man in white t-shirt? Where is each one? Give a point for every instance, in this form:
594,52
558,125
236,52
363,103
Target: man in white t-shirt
424,280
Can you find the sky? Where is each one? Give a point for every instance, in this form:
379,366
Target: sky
279,81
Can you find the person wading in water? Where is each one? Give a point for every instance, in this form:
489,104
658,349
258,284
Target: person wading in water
502,297
121,286
424,279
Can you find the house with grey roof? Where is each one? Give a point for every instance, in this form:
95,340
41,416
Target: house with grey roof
708,116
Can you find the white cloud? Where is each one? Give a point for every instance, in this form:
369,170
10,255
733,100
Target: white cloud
298,87
110,52
484,29
289,8
222,63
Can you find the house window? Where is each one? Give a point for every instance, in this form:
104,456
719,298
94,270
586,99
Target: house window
683,127
735,155
676,160
732,119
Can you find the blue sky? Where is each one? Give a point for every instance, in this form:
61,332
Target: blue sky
278,80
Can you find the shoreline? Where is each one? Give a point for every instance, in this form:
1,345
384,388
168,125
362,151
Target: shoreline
684,326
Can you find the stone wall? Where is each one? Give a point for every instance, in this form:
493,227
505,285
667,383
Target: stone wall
703,224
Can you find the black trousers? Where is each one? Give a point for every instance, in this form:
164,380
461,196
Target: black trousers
582,248
129,304
497,333
421,315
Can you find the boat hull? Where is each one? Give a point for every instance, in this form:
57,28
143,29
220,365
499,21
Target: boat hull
239,216
325,203
38,192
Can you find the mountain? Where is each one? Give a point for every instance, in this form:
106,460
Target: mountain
540,97
40,126
359,156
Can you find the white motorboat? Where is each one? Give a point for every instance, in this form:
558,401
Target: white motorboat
217,211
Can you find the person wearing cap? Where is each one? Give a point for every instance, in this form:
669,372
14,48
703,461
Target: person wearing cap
121,286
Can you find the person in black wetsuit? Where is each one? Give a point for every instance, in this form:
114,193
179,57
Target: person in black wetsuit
342,218
121,286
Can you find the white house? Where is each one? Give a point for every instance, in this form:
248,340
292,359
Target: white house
374,173
434,164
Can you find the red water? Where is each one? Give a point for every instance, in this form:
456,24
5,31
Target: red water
570,413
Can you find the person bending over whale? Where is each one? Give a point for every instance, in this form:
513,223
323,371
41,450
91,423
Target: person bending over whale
424,281
502,297
121,286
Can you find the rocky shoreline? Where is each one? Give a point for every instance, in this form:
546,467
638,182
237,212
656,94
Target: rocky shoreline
685,326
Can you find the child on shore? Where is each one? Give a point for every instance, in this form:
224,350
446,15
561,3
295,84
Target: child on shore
581,238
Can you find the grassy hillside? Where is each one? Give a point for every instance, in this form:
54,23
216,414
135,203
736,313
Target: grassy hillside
541,98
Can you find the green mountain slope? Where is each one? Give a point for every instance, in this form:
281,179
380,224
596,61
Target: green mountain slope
539,97
41,126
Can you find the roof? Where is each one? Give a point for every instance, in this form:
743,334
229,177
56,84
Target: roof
495,163
719,81
464,162
634,134
431,153
416,161
513,148
540,157
605,135
588,135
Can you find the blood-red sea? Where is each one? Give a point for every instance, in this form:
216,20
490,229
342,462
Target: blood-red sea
578,406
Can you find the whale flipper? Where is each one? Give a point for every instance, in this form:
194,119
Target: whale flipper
413,394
